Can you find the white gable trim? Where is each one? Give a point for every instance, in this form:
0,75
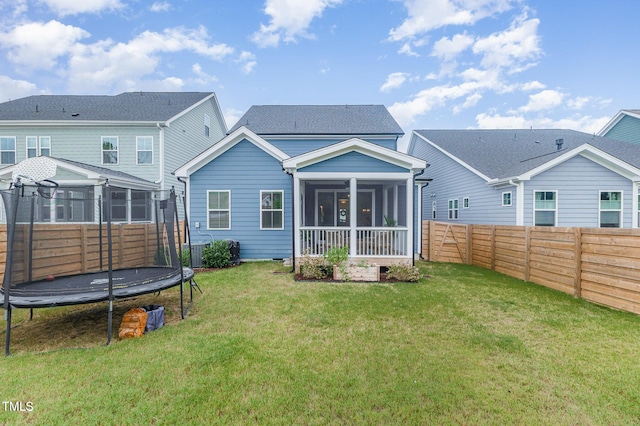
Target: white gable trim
592,153
354,145
451,156
218,111
226,144
619,116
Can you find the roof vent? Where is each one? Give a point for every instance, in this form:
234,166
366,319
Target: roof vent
559,143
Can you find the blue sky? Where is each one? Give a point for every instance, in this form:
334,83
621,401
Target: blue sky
446,64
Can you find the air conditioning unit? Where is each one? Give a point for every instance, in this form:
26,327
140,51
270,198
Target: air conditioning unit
196,253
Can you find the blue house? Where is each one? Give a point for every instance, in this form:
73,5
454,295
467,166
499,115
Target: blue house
529,177
624,126
290,180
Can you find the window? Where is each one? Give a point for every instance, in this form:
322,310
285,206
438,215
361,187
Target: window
7,150
140,206
465,203
38,146
506,199
109,150
271,209
219,209
434,210
610,209
545,208
118,205
453,209
144,149
207,124
67,204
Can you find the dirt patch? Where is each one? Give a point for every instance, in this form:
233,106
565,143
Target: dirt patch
82,326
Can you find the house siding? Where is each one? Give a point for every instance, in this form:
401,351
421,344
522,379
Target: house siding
354,162
294,147
578,182
185,138
627,129
244,169
451,181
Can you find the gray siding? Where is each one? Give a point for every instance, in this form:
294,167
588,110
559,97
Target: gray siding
244,170
454,181
627,129
354,162
579,182
185,138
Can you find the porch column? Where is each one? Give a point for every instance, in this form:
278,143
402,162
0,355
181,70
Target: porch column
353,216
295,198
419,219
410,214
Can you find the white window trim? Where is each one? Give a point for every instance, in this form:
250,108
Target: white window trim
38,147
451,208
510,199
138,150
555,211
335,204
207,125
228,191
621,210
465,203
281,191
117,150
15,158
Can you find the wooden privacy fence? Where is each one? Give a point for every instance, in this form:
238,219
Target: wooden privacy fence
68,249
601,265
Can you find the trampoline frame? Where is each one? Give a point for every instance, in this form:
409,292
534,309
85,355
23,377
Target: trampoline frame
158,278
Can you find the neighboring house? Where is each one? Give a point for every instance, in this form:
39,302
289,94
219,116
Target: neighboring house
529,177
624,126
145,135
291,180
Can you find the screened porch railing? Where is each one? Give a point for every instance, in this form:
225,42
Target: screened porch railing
370,242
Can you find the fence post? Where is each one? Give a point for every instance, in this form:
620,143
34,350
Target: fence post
527,251
577,283
469,253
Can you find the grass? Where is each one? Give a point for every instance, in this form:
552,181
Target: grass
465,346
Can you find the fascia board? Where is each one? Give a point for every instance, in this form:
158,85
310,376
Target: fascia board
72,123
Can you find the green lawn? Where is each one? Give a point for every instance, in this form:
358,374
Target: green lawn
464,346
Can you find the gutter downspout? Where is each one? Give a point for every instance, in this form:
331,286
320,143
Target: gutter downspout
419,216
519,201
161,160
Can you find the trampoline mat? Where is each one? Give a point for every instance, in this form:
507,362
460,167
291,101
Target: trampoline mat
94,287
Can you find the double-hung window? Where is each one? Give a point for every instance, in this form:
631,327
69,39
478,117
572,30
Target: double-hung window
219,209
453,209
610,209
144,149
271,209
37,146
545,208
7,149
109,150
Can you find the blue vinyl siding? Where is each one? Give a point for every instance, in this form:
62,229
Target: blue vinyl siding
579,182
293,147
354,162
627,129
451,180
244,170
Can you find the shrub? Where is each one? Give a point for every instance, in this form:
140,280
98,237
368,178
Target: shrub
314,268
405,273
217,255
186,260
337,255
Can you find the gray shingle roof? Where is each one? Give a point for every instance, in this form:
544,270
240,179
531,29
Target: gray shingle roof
105,172
500,154
319,120
129,106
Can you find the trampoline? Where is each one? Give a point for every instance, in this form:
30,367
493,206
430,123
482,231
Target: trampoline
89,257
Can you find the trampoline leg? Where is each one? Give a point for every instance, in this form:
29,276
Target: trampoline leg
30,314
7,338
110,322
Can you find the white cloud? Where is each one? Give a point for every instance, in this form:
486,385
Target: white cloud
582,123
471,101
448,48
75,7
289,20
160,6
533,85
428,15
202,78
38,46
14,89
580,102
394,80
231,116
543,101
248,62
